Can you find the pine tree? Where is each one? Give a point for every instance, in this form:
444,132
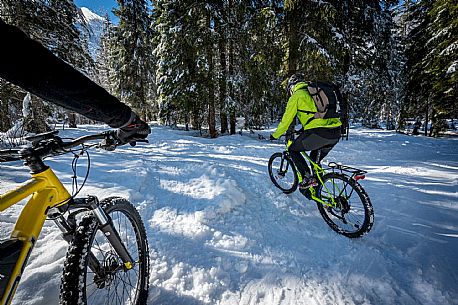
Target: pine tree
53,23
67,42
442,62
432,62
32,17
133,51
104,59
262,65
176,73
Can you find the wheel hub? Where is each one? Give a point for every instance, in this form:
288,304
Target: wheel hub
342,204
107,272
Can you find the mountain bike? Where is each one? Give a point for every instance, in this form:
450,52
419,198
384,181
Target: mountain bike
107,260
341,200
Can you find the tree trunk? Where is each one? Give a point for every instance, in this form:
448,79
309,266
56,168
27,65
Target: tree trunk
34,116
5,120
186,121
427,117
211,88
233,122
224,124
230,68
71,116
292,24
195,119
223,80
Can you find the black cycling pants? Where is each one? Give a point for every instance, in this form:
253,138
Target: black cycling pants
27,64
319,141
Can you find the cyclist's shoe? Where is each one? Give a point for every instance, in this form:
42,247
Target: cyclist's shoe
134,130
308,183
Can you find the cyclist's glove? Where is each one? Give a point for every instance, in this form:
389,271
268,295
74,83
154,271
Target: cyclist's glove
134,130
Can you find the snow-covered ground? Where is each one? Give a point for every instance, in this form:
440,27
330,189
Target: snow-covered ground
221,233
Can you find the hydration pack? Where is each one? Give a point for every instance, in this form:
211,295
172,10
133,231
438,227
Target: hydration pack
327,98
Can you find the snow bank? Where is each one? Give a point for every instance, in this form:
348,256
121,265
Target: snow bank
221,233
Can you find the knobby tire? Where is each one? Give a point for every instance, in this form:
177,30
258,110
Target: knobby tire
360,216
281,168
77,288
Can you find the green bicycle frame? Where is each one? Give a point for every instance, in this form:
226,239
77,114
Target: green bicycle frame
319,173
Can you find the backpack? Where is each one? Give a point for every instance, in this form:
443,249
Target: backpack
328,100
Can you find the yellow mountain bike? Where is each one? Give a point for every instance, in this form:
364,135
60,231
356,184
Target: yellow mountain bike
107,260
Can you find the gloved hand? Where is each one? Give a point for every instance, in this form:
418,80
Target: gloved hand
136,129
271,137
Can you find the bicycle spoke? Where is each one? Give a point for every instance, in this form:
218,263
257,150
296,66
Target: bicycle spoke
119,290
350,208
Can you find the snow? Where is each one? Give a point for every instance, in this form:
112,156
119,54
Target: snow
95,28
26,105
221,233
452,68
90,16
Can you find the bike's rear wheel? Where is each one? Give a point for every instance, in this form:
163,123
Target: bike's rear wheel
353,216
113,283
282,172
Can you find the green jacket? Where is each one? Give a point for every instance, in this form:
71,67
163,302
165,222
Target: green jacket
301,100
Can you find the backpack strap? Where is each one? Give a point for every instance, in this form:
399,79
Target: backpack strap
305,111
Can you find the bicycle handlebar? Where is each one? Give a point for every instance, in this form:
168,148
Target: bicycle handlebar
81,140
49,144
8,155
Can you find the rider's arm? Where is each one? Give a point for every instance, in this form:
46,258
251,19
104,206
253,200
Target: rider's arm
288,117
26,63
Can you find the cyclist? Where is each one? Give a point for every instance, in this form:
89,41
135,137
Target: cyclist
318,136
27,64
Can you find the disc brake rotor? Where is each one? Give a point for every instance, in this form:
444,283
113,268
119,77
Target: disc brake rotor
109,267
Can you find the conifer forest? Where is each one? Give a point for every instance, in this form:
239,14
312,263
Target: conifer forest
203,64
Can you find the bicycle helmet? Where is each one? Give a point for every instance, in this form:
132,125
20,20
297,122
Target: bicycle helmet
293,80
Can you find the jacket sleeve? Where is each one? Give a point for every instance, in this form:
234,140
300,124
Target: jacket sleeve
288,117
29,65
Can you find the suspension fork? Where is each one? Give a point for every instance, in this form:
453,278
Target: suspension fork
105,224
286,154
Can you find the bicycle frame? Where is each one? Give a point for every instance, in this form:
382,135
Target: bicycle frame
319,173
47,192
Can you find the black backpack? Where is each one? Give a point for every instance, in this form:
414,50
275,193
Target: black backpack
327,98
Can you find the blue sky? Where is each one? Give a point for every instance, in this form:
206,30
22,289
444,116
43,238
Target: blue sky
100,7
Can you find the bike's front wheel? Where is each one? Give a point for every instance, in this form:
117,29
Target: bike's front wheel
111,282
349,210
282,172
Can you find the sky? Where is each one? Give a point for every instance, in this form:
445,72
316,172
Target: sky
100,7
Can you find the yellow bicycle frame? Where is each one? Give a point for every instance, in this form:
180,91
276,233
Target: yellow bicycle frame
47,192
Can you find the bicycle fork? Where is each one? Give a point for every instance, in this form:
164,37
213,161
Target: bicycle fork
104,223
